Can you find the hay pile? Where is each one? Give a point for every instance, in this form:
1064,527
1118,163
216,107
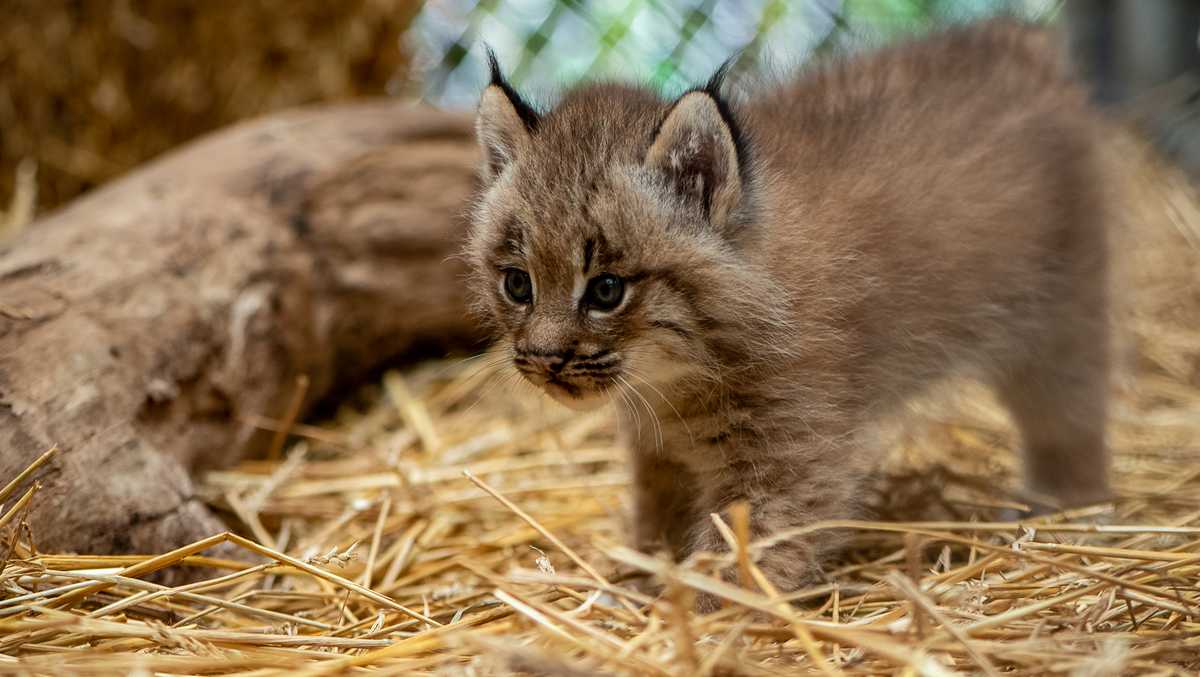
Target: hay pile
92,89
450,523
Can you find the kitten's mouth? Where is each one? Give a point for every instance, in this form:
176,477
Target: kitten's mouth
572,396
580,397
556,384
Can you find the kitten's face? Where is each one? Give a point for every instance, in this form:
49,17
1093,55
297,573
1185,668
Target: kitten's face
590,256
586,300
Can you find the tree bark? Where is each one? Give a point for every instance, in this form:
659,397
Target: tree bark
139,324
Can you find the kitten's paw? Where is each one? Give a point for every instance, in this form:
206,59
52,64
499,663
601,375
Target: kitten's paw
1087,503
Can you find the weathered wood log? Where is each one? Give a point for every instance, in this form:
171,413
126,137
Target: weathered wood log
141,323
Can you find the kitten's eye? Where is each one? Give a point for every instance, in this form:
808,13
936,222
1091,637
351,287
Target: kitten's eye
605,292
518,286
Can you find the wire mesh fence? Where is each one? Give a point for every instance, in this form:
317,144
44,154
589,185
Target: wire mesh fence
671,45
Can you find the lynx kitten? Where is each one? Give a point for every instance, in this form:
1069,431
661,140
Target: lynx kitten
768,277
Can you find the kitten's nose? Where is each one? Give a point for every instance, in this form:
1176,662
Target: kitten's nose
552,362
555,363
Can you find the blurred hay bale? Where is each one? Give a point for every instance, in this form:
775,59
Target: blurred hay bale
92,89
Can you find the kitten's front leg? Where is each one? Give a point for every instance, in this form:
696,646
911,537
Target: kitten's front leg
784,492
664,496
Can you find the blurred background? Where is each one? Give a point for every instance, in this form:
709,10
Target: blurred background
92,88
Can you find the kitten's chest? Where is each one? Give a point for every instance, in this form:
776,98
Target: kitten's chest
699,441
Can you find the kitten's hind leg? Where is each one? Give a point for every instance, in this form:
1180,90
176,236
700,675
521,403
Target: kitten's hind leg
1059,403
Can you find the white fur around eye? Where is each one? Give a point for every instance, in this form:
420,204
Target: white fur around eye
580,288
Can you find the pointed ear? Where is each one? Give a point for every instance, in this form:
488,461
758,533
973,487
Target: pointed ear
504,124
697,148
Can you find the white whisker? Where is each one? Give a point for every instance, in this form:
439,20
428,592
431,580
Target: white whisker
663,397
637,417
658,432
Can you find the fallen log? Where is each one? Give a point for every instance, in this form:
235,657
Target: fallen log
141,324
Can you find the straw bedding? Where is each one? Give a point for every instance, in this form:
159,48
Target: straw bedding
447,521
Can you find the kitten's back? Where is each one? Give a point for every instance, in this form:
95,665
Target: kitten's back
944,205
942,192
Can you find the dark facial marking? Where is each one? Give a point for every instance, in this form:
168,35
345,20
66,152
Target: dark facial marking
589,250
672,327
596,365
598,355
597,251
514,237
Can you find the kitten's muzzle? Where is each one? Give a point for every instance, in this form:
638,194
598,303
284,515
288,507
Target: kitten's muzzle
547,363
568,374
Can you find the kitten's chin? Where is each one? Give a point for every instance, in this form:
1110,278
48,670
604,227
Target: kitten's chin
587,401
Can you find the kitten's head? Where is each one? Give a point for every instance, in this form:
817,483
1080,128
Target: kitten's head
605,241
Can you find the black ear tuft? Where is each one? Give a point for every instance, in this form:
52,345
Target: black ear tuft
529,116
716,82
495,77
